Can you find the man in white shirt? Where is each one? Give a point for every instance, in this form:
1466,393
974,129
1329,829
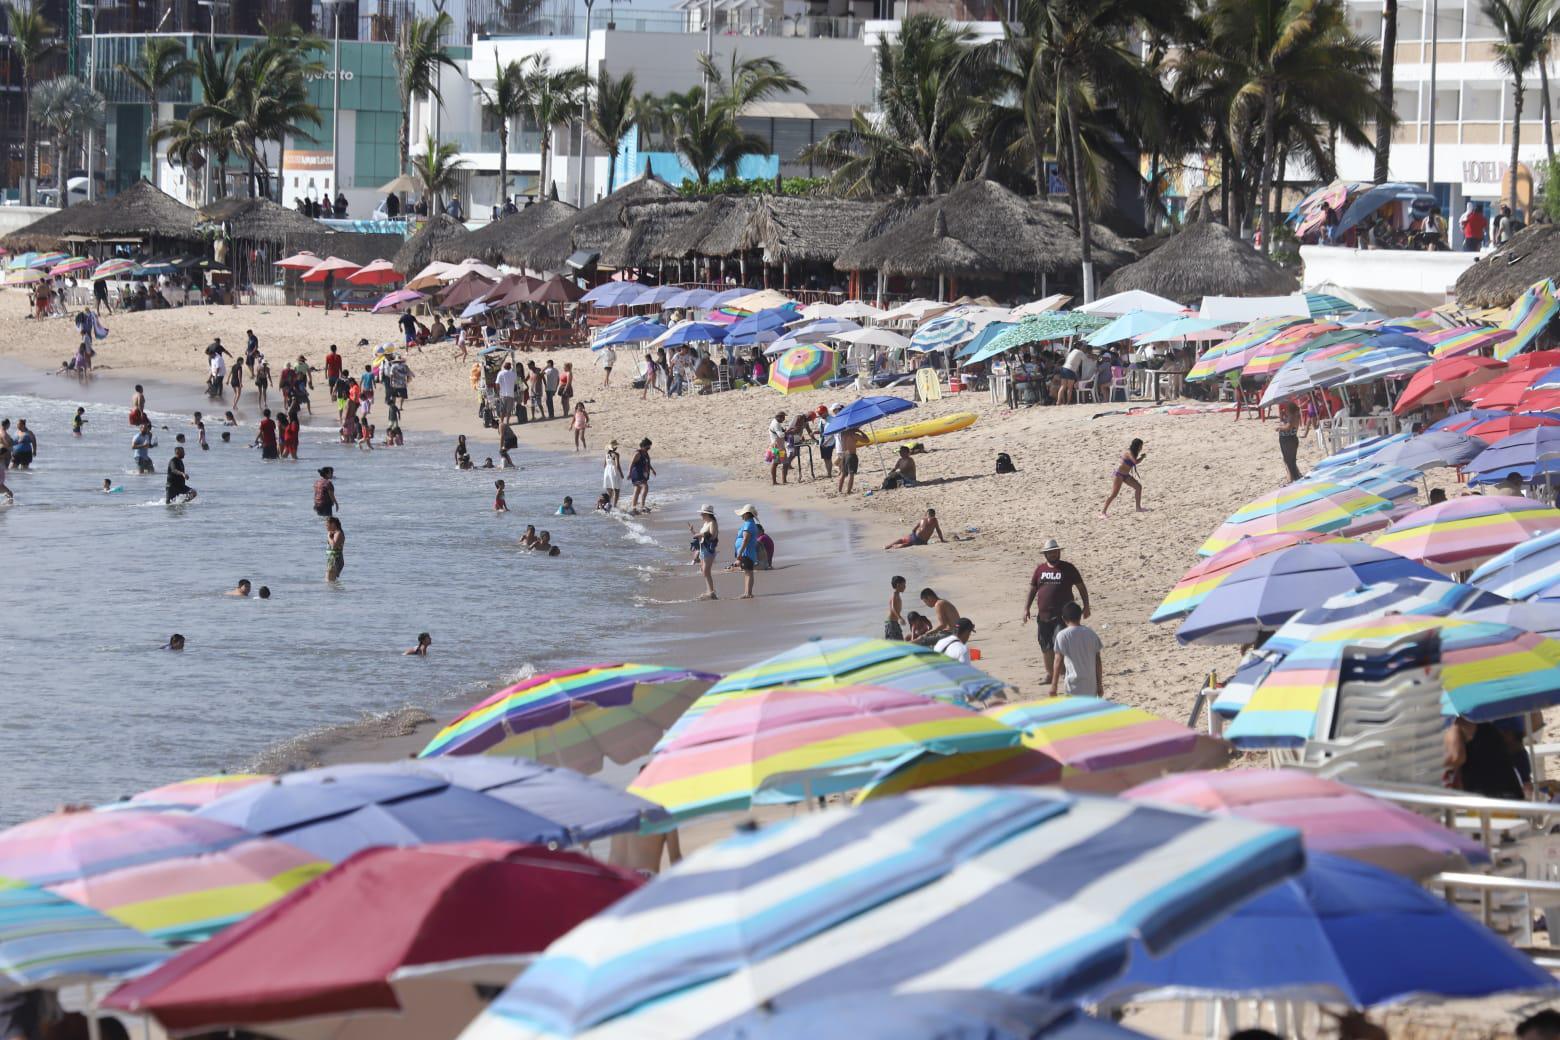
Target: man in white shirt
505,381
1066,391
1078,651
957,645
606,358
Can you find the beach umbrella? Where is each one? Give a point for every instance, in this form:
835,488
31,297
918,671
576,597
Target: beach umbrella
918,309
1540,615
471,265
1343,932
1186,329
653,295
1265,358
338,810
1535,359
1528,316
826,664
1266,592
1331,817
48,941
1464,340
976,1014
336,951
1461,533
555,290
26,277
940,333
476,308
1321,506
785,745
1044,305
811,332
376,272
44,261
1357,452
587,714
613,294
65,846
1388,481
856,309
754,301
1502,426
1043,328
771,320
197,791
1527,570
118,267
802,368
1327,303
1488,672
1513,391
20,260
1012,889
330,265
1128,301
689,299
464,290
866,410
1445,380
691,332
1127,326
639,331
1461,422
1429,450
876,338
977,343
724,297
1532,454
1208,573
71,265
1241,345
397,299
511,289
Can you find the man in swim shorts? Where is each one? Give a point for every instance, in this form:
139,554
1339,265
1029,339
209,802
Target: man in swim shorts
142,445
921,533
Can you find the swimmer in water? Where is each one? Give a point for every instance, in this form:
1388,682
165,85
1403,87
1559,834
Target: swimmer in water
79,421
110,488
424,641
265,592
175,642
228,420
487,463
528,539
499,505
5,457
544,544
242,590
462,456
567,509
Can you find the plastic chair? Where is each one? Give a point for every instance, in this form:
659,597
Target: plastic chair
1119,381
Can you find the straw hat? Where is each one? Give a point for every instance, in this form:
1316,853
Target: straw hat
706,510
749,508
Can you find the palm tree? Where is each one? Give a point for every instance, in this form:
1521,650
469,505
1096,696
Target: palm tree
747,80
611,113
68,108
1521,27
505,101
269,99
204,139
435,169
552,96
419,55
704,133
32,41
163,63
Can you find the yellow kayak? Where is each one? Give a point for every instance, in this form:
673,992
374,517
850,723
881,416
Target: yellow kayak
924,428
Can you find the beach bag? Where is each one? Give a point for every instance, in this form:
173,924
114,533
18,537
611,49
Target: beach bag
1005,463
891,482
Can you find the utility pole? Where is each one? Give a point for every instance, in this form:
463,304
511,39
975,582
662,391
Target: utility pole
91,9
335,97
1435,35
579,194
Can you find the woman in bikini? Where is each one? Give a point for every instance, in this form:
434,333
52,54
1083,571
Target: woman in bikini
1126,471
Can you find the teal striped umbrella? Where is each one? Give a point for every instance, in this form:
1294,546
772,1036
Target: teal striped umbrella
1326,304
47,940
1041,328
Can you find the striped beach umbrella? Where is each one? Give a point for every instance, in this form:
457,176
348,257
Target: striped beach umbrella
1540,615
1245,340
1528,570
947,331
1264,361
72,265
1445,380
1330,816
1326,303
49,941
1464,340
1528,316
802,368
786,745
826,664
1532,454
1285,498
25,277
1358,452
1329,511
1207,574
959,888
197,791
1487,672
66,846
20,260
397,299
1461,533
44,261
575,717
118,267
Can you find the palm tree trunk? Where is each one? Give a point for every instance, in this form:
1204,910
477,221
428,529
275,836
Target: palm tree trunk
151,137
1269,120
60,145
503,160
27,139
1278,179
1549,127
612,157
1516,140
545,188
1085,246
404,138
1389,13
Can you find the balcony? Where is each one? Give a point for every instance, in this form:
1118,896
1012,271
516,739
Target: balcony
528,142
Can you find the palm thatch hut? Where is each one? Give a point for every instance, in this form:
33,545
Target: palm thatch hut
1500,276
1204,258
258,220
441,233
595,228
655,232
47,232
503,241
791,229
140,213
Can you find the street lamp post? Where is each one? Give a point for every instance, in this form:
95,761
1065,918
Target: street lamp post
1435,36
335,96
579,194
91,9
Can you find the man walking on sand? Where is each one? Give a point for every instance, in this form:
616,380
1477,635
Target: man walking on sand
945,618
1079,648
1050,588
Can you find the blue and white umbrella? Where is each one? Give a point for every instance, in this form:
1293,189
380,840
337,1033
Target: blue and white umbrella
47,941
656,295
1392,482
689,299
1361,450
613,294
1528,570
812,332
950,330
1019,890
639,332
971,1014
692,332
1532,454
752,328
1429,450
1192,328
983,337
1386,362
1129,326
1539,615
866,410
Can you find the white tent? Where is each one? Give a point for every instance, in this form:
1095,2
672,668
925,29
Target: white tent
915,310
875,338
1116,305
1251,308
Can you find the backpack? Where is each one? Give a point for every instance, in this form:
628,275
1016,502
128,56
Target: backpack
1005,463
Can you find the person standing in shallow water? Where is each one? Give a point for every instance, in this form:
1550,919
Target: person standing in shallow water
325,503
335,548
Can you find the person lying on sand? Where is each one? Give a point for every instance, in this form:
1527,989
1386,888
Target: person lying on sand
921,533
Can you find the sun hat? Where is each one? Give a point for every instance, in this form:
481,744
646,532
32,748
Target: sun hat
706,510
1051,545
749,508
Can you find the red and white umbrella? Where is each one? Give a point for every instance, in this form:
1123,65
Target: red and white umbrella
299,261
376,272
331,264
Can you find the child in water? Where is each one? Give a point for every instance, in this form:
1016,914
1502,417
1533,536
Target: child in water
200,433
528,539
462,456
79,421
567,509
604,503
110,488
499,505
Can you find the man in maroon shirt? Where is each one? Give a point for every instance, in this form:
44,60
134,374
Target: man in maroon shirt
1050,588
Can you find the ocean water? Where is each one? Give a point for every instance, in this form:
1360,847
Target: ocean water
92,585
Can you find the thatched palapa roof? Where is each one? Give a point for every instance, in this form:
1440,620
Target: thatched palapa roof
803,229
656,231
259,220
596,227
1204,258
1500,276
441,232
503,241
139,212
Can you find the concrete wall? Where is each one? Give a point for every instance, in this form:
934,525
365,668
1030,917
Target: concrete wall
14,218
1394,281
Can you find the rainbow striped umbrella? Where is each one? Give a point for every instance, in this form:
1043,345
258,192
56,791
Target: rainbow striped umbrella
578,717
826,664
806,367
1487,672
1464,339
117,267
1284,499
1328,512
1245,340
1461,533
70,265
197,791
27,276
1265,361
45,261
20,260
47,940
787,745
65,846
1528,570
1208,574
1528,316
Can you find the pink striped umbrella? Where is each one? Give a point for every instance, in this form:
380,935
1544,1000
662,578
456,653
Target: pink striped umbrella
330,265
200,790
64,846
1330,816
1461,533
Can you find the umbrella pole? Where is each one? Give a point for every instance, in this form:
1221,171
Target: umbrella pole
94,1029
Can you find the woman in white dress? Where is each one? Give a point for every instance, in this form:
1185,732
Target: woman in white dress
612,474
